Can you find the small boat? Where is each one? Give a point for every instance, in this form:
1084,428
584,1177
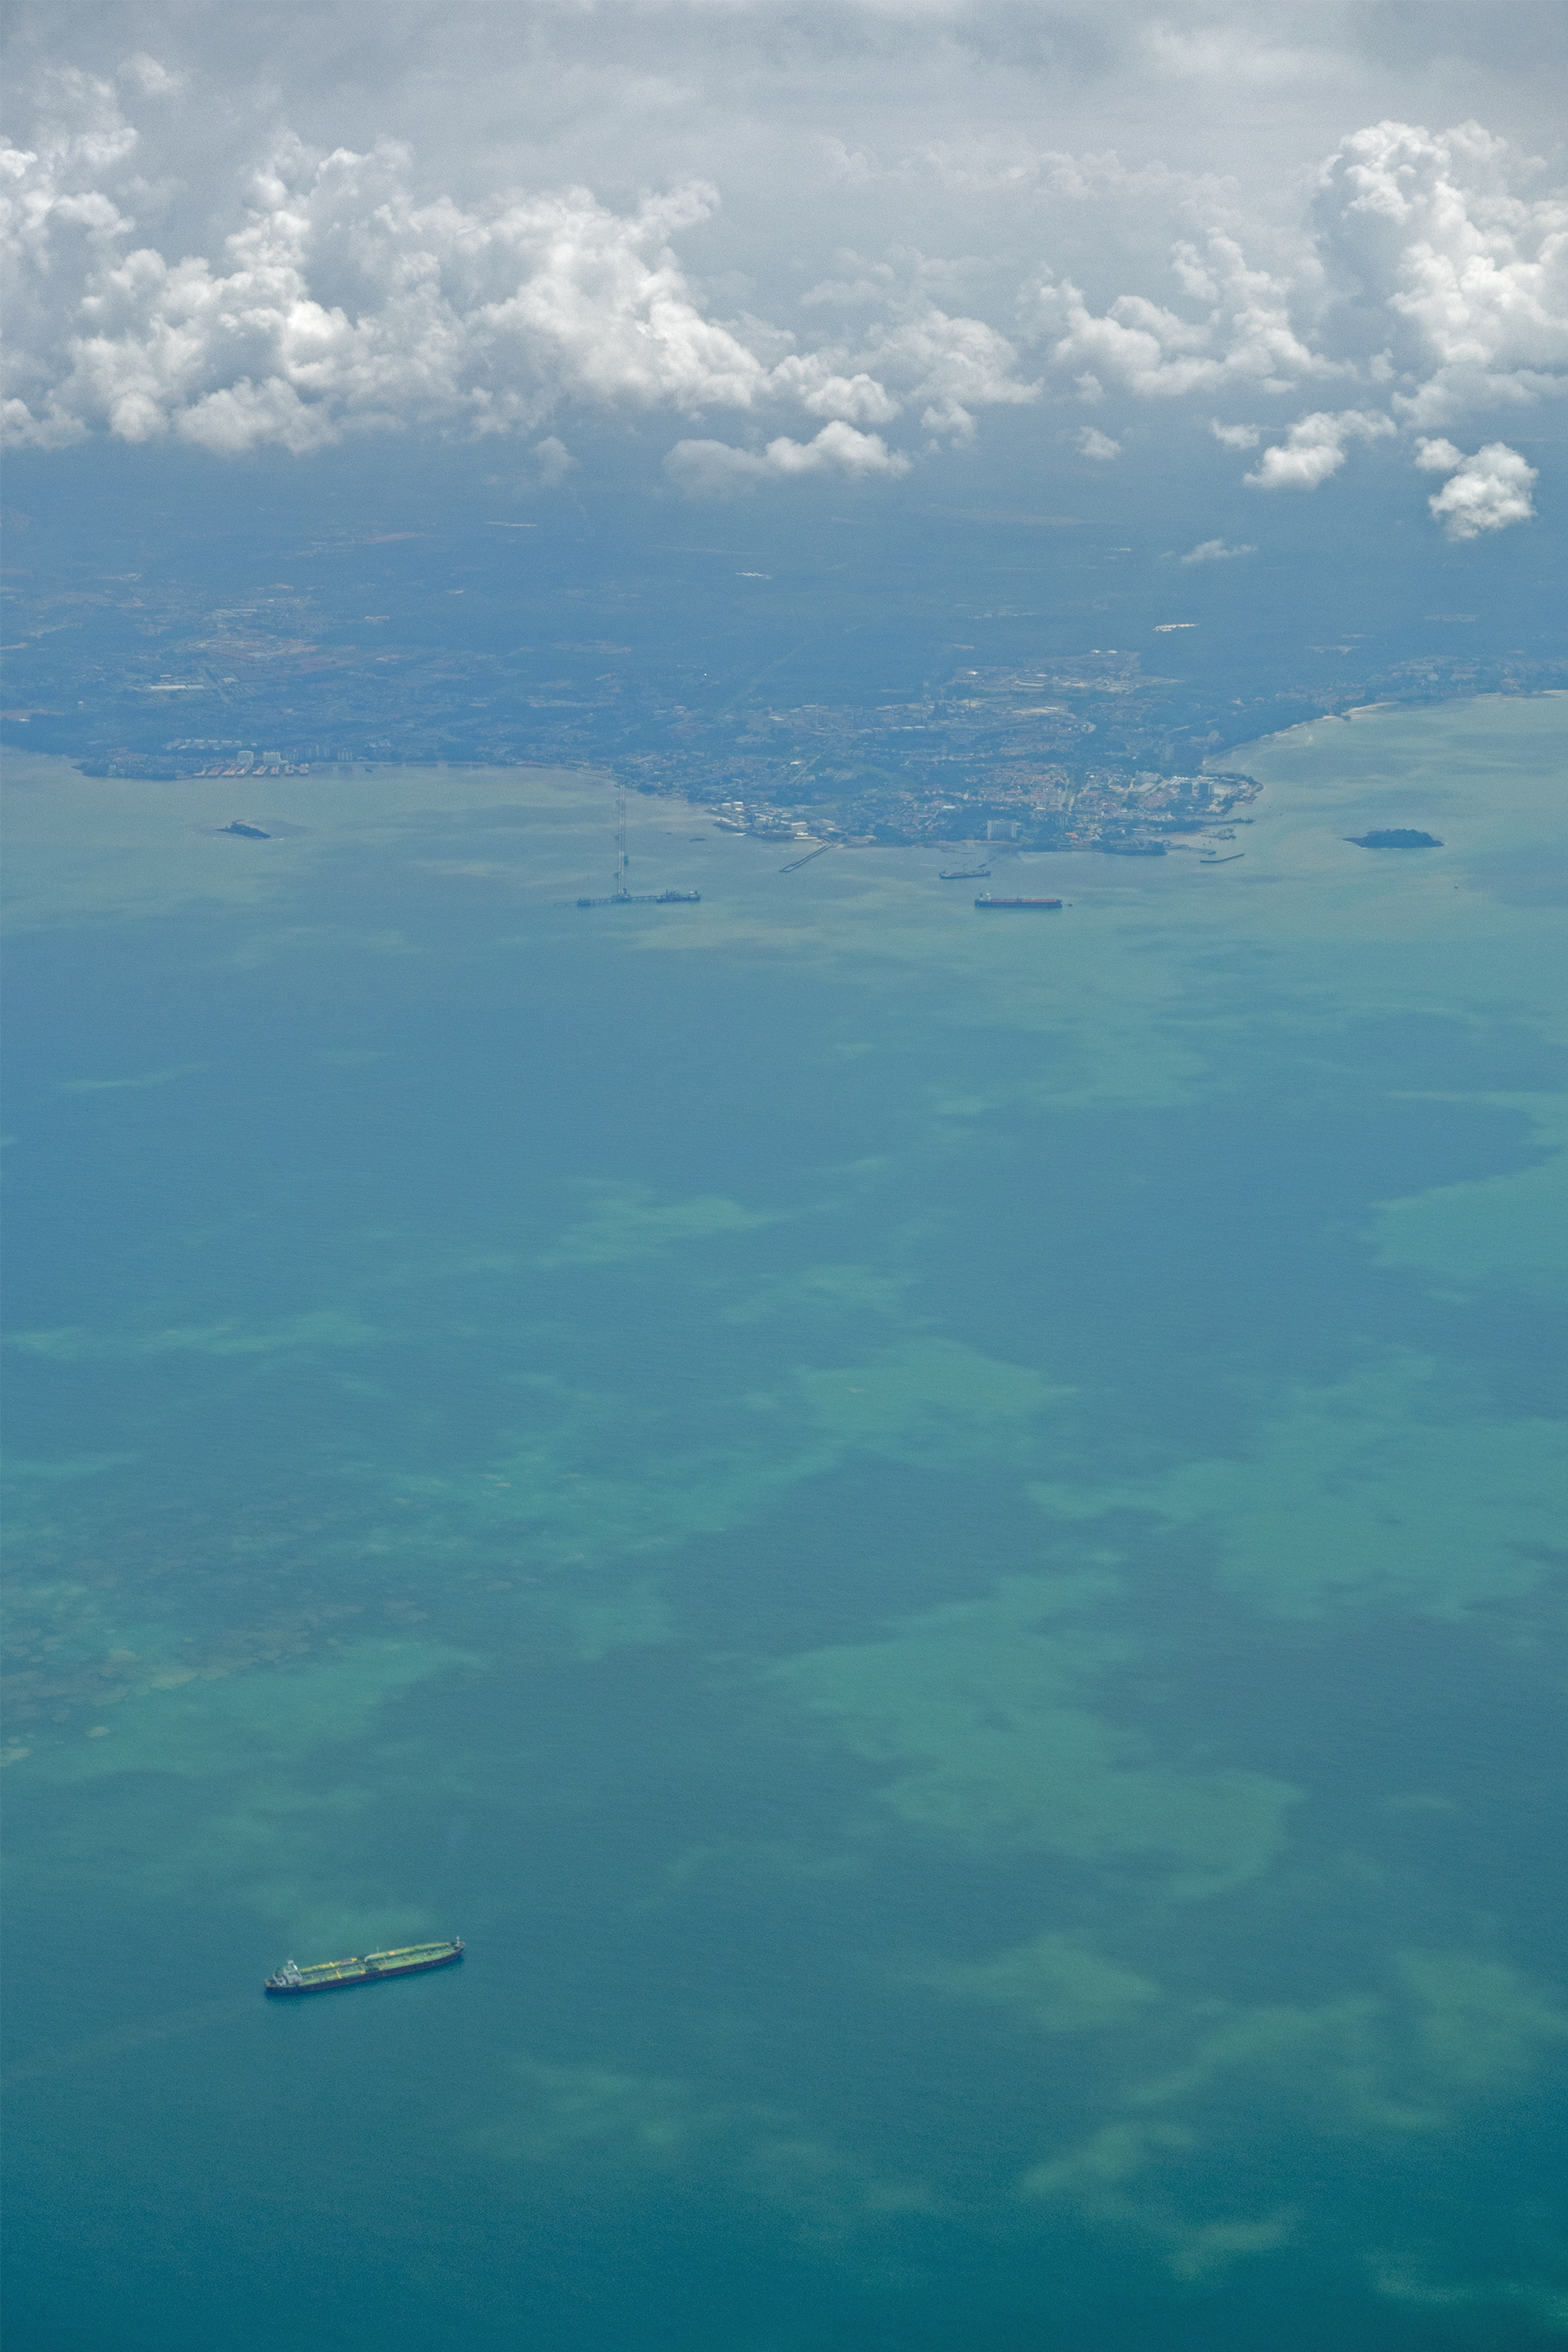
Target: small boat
988,901
334,1976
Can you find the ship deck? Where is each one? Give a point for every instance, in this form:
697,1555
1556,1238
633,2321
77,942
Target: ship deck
406,1959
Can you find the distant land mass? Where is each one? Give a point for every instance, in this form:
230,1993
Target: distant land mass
762,711
1072,752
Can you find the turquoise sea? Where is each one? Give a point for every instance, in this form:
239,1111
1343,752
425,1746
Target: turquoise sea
941,1537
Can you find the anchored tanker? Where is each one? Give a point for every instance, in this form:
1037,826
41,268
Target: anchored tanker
333,1976
988,902
652,898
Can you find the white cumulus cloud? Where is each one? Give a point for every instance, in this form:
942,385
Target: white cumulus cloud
1245,335
1436,455
858,399
150,74
293,292
344,301
1314,448
555,461
488,315
1483,493
1427,272
1432,277
718,469
1441,261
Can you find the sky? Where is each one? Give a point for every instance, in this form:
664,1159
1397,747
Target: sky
759,243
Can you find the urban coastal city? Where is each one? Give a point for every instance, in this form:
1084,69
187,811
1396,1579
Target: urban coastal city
1103,749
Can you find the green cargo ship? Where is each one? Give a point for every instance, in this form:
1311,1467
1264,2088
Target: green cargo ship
335,1976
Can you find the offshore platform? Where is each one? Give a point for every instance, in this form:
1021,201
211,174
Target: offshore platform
621,896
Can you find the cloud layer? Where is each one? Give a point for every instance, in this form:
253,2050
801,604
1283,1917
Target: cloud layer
344,303
1427,283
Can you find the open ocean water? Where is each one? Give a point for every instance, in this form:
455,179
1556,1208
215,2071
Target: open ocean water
940,1536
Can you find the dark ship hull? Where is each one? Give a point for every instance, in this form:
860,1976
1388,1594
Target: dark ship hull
337,1976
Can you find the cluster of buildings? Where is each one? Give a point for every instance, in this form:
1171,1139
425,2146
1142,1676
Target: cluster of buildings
1059,757
1086,751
